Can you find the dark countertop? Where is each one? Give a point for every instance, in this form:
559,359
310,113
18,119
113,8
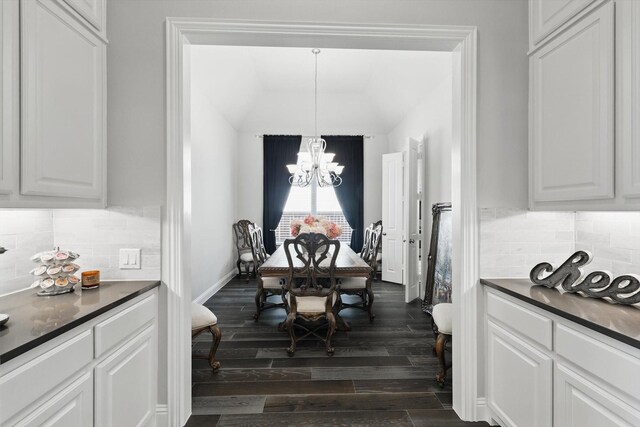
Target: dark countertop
621,322
35,320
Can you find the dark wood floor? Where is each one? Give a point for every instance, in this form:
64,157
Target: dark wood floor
382,373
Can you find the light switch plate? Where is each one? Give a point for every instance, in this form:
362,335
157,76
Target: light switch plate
130,259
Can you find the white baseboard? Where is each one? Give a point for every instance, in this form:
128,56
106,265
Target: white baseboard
202,298
483,411
162,415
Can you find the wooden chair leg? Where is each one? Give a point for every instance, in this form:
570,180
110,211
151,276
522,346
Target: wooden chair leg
440,348
370,303
258,299
291,317
217,335
331,328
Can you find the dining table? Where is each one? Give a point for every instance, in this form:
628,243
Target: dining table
348,264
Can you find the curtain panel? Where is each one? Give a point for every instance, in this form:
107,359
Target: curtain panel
278,152
350,194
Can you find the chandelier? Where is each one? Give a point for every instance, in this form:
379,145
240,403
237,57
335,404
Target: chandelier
315,163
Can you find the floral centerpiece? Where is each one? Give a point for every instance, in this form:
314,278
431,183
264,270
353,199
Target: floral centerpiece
315,224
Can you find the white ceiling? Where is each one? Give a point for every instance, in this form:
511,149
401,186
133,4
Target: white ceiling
266,89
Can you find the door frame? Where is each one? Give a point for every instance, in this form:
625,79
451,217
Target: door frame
176,239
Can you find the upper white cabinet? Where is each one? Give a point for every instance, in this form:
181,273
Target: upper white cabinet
9,95
545,16
91,10
572,95
63,85
628,134
53,93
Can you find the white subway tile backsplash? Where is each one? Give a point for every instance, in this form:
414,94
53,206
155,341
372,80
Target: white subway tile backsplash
520,239
513,241
96,234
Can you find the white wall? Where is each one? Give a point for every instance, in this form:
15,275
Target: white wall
136,81
250,175
214,184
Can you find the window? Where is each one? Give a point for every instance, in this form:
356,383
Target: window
314,199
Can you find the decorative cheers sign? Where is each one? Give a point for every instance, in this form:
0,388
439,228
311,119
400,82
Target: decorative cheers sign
623,289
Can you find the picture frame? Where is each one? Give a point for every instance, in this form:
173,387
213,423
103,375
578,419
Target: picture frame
438,285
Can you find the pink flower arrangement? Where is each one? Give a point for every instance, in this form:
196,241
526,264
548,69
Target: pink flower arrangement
313,224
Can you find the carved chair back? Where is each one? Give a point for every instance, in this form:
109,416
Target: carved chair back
312,265
370,253
241,236
257,245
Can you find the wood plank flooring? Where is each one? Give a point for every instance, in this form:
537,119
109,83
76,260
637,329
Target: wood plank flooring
382,373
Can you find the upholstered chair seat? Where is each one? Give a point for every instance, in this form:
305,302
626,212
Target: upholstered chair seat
246,257
442,317
312,305
353,283
274,283
202,319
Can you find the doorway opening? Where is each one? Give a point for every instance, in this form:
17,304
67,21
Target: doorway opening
181,34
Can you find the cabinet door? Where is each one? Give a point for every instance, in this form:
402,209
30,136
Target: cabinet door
572,124
91,10
628,42
71,407
126,383
9,95
63,114
580,403
519,380
545,16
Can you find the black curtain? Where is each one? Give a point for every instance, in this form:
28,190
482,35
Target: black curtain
278,152
348,150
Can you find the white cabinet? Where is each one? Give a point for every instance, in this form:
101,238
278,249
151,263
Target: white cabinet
581,403
572,112
71,407
125,384
584,379
63,86
545,16
9,95
66,383
513,361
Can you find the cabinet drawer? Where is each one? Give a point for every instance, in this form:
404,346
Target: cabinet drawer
120,326
521,319
29,382
613,366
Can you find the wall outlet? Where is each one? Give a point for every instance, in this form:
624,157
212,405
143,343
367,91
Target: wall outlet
130,259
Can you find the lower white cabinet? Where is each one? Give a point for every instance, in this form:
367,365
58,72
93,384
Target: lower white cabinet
584,379
66,383
581,403
123,394
513,363
71,407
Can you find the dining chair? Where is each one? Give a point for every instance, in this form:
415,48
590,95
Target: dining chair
441,322
243,247
361,286
311,288
202,319
267,286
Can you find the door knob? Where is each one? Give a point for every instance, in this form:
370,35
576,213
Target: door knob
384,234
411,241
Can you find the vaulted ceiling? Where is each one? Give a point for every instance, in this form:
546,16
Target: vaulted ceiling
266,89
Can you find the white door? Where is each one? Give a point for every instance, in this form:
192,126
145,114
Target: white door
63,110
9,95
392,217
414,218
